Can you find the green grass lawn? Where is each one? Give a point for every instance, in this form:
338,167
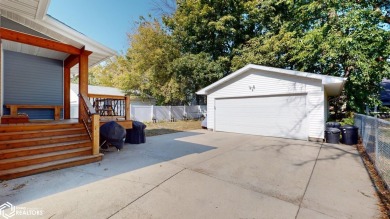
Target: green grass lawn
162,128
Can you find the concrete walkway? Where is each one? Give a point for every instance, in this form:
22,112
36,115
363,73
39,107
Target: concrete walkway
203,174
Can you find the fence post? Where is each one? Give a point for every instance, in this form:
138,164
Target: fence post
361,125
151,113
184,113
132,110
170,113
376,140
127,108
363,129
95,133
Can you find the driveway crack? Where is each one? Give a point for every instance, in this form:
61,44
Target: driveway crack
146,193
308,182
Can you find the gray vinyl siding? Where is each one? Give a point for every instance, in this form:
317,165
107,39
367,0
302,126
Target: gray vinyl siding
32,80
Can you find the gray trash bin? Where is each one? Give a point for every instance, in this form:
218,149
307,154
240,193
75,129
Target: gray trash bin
333,125
349,134
332,135
136,135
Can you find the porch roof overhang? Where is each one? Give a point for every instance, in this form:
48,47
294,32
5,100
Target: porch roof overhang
333,85
32,14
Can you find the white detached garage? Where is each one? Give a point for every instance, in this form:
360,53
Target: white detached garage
268,101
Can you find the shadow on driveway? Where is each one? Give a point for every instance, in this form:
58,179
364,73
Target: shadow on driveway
157,149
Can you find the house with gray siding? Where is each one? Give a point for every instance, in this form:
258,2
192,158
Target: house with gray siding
34,75
38,56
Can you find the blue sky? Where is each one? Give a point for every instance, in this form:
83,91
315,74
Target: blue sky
107,22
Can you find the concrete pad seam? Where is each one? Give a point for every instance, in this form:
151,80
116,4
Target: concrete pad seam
146,193
320,212
242,187
308,182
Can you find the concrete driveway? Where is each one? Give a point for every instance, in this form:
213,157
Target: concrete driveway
203,174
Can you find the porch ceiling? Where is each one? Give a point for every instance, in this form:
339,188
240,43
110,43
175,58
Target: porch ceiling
33,9
33,50
93,59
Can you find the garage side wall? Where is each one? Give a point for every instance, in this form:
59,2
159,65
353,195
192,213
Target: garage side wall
259,83
315,111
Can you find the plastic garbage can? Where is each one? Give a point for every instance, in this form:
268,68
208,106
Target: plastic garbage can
333,125
332,135
349,134
136,135
142,132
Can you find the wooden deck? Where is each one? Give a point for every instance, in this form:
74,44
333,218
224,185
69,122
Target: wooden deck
127,124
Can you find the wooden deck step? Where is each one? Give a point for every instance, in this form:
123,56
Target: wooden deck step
40,133
37,126
41,141
40,149
31,148
53,165
42,158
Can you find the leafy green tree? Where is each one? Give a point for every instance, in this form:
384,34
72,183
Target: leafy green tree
193,72
104,75
269,50
215,27
341,38
347,39
204,40
144,67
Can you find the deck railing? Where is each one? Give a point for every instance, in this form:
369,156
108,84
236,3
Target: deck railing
111,107
91,120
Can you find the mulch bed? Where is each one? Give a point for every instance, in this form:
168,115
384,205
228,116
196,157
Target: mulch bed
380,186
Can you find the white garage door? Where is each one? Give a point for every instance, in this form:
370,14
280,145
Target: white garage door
279,116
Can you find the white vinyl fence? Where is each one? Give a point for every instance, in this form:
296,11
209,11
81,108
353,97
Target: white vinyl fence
166,113
375,134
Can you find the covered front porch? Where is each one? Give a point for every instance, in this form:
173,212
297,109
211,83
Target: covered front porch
37,132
